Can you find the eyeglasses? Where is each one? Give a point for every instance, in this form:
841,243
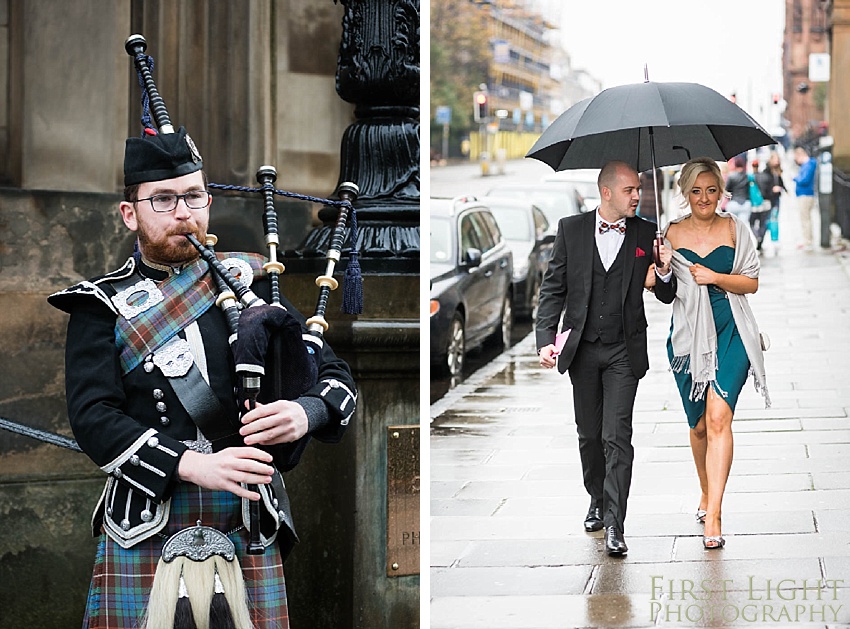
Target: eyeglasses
194,200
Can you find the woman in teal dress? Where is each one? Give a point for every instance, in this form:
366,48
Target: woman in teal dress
714,340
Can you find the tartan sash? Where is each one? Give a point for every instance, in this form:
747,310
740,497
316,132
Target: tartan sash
186,296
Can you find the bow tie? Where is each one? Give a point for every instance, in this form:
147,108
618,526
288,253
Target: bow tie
619,226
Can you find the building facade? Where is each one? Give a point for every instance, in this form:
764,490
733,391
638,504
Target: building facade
805,35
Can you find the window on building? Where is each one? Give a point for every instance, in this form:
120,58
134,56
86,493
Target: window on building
818,20
797,17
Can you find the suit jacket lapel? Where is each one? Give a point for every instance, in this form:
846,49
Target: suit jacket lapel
588,250
629,250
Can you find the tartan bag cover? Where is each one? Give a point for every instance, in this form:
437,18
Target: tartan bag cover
186,296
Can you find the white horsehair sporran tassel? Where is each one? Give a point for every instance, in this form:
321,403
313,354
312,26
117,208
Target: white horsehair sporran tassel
198,583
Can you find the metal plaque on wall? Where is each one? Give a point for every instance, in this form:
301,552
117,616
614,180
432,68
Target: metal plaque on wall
402,500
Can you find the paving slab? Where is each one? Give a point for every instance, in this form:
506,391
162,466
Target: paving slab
511,580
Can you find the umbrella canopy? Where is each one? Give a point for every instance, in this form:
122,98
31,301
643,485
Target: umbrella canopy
684,120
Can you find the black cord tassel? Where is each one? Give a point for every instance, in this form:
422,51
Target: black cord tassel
352,288
183,616
221,616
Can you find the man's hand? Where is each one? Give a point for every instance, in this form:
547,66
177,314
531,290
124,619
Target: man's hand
548,356
665,255
224,470
277,422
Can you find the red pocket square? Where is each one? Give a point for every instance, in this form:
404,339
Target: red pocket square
639,253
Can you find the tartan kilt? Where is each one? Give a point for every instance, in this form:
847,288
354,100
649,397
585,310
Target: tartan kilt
122,578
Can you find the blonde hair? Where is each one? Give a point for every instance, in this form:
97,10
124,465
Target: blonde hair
693,169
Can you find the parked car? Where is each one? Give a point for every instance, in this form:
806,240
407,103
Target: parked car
585,183
471,269
528,234
555,199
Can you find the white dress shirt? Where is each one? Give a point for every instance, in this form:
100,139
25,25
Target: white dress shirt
608,244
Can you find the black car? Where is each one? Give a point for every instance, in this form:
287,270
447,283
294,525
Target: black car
471,269
530,238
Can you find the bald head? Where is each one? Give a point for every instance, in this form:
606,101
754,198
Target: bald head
619,191
611,171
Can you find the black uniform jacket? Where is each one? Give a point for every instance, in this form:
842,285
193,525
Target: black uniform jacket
134,426
567,284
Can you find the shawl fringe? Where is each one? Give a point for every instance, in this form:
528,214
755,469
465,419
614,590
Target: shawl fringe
760,388
700,383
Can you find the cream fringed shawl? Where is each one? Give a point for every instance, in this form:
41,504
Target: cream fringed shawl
694,338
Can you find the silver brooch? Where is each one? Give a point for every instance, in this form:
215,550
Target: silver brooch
198,543
193,150
240,269
174,358
137,298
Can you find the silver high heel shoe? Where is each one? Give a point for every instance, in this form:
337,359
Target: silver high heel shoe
701,516
710,542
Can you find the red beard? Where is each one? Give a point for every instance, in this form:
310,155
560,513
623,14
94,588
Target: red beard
167,251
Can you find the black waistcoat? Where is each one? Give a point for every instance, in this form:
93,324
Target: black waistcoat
605,310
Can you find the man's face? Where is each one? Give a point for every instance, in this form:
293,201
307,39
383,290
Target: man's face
161,234
623,196
800,157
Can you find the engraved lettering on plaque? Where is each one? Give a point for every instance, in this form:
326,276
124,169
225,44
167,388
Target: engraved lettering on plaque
402,500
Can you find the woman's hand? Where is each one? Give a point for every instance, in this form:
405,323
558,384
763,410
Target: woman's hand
703,275
649,282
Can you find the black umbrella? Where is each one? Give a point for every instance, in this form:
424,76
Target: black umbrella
648,125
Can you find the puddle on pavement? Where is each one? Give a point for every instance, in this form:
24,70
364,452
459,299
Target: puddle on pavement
444,431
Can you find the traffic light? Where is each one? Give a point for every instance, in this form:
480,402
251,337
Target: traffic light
479,106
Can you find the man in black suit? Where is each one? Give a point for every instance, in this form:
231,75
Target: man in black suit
600,265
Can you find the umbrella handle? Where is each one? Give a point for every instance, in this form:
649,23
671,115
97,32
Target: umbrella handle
656,249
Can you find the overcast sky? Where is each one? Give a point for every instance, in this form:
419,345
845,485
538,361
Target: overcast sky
728,45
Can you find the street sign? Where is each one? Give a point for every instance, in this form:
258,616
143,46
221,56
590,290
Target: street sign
819,67
443,115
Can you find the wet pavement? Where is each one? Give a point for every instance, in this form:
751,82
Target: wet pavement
508,549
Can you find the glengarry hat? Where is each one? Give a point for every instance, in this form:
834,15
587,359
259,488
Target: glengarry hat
157,156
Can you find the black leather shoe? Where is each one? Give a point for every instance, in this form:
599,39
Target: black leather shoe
615,545
593,521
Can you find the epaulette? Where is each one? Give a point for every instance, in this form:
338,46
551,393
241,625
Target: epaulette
64,300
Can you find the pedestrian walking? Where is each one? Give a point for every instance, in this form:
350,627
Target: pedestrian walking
594,283
775,186
650,192
738,189
804,190
760,210
714,340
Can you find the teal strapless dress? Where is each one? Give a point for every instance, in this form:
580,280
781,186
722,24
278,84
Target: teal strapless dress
732,362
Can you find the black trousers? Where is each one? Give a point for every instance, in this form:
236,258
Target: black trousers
604,389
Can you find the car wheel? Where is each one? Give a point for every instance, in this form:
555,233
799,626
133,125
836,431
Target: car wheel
456,348
503,334
535,301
